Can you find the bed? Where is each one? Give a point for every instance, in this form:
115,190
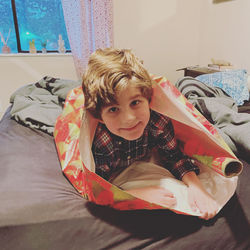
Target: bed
40,209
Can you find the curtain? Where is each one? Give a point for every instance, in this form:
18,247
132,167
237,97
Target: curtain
89,25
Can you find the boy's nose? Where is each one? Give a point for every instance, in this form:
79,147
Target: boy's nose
128,116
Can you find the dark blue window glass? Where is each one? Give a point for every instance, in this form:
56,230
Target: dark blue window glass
7,25
39,23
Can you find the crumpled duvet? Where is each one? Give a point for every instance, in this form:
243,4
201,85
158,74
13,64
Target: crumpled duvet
38,105
220,110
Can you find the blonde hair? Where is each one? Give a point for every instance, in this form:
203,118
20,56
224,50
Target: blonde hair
108,72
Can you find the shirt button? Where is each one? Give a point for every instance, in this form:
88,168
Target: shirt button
128,157
119,142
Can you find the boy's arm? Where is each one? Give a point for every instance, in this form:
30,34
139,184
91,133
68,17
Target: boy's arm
199,198
154,194
183,168
170,153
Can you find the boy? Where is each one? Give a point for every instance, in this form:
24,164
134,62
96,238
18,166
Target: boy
118,90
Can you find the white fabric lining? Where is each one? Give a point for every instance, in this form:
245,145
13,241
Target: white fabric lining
142,174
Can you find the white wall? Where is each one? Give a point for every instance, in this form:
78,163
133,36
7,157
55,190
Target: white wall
166,34
170,34
18,70
225,32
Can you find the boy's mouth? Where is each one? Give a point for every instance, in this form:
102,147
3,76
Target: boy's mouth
131,128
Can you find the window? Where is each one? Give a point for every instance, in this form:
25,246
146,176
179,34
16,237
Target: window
28,22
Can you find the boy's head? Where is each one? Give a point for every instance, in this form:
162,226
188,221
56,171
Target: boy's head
109,72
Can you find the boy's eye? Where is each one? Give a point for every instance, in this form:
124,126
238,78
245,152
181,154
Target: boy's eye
113,109
135,102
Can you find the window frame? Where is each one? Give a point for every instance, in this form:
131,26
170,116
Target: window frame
19,49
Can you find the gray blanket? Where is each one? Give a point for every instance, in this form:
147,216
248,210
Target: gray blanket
222,111
38,105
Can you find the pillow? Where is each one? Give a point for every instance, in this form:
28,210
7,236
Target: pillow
233,82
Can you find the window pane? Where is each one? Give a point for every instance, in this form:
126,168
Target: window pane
6,23
42,21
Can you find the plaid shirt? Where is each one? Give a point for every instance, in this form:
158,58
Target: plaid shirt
113,154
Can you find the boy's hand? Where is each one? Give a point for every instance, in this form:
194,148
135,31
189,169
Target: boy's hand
199,198
154,194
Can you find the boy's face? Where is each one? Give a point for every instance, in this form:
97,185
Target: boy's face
129,117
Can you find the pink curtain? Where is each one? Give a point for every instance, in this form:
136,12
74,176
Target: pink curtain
89,25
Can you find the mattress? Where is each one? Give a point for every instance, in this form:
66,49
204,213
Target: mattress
40,209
